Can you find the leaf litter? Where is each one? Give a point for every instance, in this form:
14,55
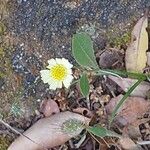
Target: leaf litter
51,132
136,58
125,83
49,107
55,126
133,109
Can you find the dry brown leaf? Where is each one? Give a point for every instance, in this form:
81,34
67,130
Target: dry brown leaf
133,108
51,131
148,58
133,130
127,144
135,58
111,58
125,83
83,111
49,107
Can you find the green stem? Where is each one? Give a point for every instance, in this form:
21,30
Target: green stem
120,73
121,102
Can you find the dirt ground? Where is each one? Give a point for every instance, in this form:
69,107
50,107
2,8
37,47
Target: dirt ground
33,31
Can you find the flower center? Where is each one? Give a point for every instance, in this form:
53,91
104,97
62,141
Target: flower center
58,72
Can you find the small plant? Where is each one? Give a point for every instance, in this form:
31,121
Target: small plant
83,52
59,74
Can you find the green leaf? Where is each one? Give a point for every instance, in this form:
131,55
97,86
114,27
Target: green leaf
83,52
121,102
84,85
102,132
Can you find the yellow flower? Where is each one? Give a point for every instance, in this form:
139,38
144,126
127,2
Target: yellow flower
58,73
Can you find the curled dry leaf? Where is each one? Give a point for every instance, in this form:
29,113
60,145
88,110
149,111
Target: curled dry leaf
49,107
125,83
135,58
51,131
84,111
133,108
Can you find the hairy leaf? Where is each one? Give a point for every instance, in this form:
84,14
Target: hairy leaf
83,52
84,85
102,132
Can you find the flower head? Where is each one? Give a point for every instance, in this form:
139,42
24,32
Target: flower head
58,73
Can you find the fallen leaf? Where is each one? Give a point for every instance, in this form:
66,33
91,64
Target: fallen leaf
125,83
84,111
127,144
51,131
111,59
133,108
133,129
148,58
135,58
49,107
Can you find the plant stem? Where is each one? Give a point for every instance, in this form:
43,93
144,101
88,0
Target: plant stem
121,102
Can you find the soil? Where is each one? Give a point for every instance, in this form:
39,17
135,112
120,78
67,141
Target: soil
33,31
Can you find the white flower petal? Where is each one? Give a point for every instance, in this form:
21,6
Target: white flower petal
67,81
69,71
66,63
59,84
53,86
58,60
45,75
51,62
